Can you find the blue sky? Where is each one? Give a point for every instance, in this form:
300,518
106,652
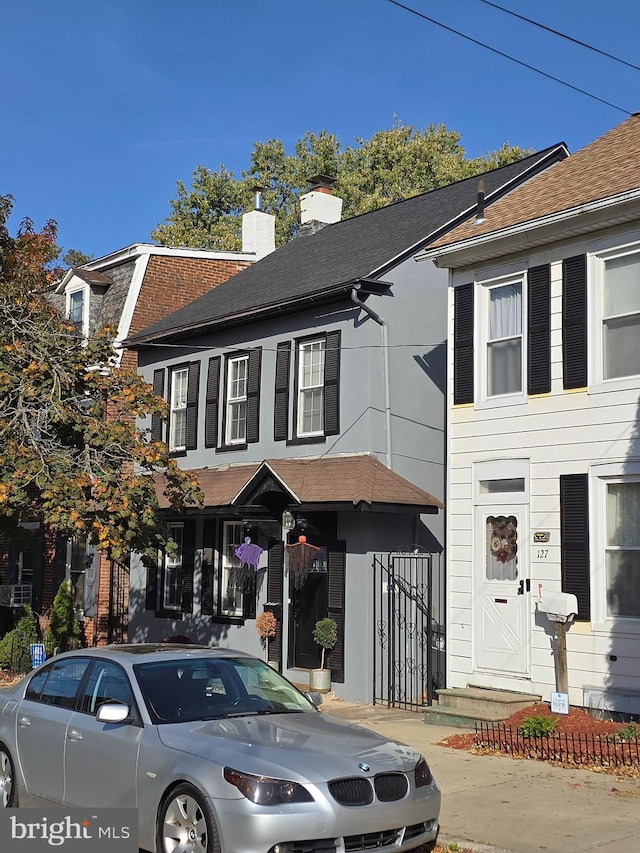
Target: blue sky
105,105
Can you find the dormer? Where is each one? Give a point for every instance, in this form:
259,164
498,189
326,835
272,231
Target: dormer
84,292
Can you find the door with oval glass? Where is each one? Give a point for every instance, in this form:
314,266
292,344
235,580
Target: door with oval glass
502,590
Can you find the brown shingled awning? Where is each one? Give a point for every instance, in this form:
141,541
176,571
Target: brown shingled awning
357,481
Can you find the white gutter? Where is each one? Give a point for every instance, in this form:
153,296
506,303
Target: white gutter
529,225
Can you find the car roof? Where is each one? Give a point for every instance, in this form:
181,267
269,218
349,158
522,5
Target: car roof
148,652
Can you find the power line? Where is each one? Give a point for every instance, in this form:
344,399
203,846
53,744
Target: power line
563,35
510,58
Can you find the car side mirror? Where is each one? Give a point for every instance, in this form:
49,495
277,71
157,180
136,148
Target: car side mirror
112,712
314,697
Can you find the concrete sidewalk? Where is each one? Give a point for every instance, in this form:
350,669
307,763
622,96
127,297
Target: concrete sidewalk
496,803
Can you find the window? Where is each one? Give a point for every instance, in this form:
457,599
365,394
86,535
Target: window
621,316
311,388
172,576
236,413
622,549
232,575
106,683
58,683
178,409
75,311
504,340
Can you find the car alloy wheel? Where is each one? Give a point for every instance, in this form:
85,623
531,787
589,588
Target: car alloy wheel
8,794
186,823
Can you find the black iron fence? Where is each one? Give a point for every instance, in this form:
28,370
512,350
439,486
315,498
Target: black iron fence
610,750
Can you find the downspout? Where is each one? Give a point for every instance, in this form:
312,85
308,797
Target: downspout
385,356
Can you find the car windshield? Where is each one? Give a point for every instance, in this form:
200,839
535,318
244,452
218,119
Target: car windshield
208,689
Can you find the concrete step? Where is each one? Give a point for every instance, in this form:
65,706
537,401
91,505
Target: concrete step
480,703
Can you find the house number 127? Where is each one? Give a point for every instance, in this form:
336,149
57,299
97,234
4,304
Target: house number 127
542,553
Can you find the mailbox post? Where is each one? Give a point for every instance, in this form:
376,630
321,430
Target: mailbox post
560,608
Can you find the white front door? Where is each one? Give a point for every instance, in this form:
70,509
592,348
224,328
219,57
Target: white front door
501,593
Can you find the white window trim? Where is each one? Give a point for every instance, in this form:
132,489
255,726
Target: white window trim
171,563
232,400
482,288
85,290
302,345
225,568
500,469
176,448
595,312
600,476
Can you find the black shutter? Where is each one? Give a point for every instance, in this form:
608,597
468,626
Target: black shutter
151,600
335,610
208,546
249,594
574,321
211,410
463,344
275,589
158,390
281,399
332,384
574,539
193,383
539,331
253,395
188,562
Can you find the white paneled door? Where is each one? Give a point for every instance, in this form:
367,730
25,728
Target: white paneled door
502,590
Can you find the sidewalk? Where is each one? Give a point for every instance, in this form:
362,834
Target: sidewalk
496,803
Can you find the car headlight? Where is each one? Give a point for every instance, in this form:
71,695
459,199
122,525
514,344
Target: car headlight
265,791
423,774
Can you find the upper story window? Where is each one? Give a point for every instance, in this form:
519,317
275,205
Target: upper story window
178,409
76,308
236,404
621,316
311,357
505,340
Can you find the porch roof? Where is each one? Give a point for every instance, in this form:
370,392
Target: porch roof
359,480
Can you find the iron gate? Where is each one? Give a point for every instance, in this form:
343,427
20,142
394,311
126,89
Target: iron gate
118,603
409,642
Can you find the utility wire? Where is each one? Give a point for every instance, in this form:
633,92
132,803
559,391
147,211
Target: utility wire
562,35
511,58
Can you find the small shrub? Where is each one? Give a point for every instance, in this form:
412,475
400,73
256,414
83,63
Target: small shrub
15,654
538,726
64,630
325,635
624,733
266,626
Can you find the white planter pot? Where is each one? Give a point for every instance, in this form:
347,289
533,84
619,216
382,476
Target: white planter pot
320,680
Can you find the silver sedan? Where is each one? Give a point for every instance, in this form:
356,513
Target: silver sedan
216,750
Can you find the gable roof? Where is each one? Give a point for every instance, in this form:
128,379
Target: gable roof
605,171
327,263
359,480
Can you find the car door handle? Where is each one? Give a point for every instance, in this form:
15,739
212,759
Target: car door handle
24,722
74,735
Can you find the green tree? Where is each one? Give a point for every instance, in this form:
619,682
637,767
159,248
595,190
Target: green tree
64,632
393,164
15,645
71,453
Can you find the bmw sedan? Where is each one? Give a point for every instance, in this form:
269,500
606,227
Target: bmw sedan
216,750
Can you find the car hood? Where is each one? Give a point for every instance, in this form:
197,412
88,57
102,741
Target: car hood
300,747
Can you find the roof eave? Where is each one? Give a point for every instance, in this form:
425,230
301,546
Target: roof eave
530,232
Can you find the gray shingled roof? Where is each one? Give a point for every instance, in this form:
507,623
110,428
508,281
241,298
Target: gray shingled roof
331,259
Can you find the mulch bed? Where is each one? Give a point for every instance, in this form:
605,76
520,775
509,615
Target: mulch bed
576,723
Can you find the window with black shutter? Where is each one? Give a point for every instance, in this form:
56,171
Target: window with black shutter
211,404
539,330
188,565
183,407
275,592
463,391
158,390
193,391
316,409
336,564
574,321
208,568
574,539
253,395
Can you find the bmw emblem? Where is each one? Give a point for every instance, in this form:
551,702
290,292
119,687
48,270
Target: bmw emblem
364,767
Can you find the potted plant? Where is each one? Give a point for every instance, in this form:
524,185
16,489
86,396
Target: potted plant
266,626
325,635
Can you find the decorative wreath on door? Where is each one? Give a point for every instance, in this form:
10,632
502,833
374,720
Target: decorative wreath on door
503,539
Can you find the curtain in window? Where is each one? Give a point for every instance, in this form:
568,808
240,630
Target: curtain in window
505,340
622,317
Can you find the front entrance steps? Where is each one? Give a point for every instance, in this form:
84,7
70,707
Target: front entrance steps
462,707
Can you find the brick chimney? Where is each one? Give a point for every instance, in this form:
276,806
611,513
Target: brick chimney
258,228
319,206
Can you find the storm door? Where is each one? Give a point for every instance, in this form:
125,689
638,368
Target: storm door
308,594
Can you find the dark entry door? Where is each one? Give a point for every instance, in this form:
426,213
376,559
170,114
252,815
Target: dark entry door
309,604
